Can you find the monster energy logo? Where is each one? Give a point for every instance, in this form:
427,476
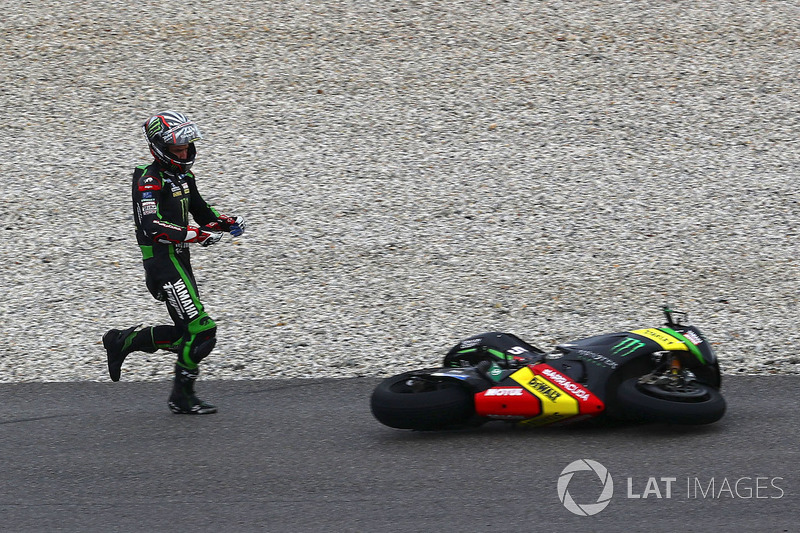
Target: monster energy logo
185,208
626,347
153,127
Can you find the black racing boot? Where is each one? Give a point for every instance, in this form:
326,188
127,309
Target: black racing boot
118,344
183,401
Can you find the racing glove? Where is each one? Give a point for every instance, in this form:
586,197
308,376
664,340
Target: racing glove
234,225
204,236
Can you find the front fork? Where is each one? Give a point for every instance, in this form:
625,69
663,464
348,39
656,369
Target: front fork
669,371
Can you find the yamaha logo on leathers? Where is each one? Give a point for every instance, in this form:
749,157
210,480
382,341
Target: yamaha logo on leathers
179,298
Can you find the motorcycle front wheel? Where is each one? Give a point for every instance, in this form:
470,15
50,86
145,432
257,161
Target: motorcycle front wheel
695,403
414,401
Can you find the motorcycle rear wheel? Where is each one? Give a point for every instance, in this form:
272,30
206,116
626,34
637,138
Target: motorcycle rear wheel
409,401
692,405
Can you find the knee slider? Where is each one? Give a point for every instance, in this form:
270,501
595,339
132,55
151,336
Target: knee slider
200,349
202,338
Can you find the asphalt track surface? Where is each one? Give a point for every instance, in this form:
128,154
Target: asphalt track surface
306,455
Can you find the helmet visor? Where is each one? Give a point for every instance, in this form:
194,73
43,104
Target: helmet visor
184,133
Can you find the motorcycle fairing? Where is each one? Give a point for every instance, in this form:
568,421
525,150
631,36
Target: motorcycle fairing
617,346
662,338
691,340
541,395
507,403
671,340
623,346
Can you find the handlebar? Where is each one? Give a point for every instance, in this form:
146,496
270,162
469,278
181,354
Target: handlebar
670,313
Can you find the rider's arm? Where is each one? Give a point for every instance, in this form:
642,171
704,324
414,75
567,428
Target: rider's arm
201,211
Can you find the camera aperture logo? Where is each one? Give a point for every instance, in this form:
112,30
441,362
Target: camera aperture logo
586,509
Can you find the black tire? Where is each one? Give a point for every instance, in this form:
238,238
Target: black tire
697,404
414,401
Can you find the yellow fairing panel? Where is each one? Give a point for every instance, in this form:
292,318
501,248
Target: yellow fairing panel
556,403
666,341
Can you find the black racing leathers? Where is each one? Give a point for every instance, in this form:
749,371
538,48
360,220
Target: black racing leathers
162,203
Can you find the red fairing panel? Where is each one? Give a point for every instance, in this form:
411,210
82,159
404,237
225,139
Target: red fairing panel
507,402
588,403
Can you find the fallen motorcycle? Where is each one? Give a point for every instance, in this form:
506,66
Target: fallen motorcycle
666,374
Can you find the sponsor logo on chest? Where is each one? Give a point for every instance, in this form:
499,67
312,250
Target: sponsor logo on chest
179,189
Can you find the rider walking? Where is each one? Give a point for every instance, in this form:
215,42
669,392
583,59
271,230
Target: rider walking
164,194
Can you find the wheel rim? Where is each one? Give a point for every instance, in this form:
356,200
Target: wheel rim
676,392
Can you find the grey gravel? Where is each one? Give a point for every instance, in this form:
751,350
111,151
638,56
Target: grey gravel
412,173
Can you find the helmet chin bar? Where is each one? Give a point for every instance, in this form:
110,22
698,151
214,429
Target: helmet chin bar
172,163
